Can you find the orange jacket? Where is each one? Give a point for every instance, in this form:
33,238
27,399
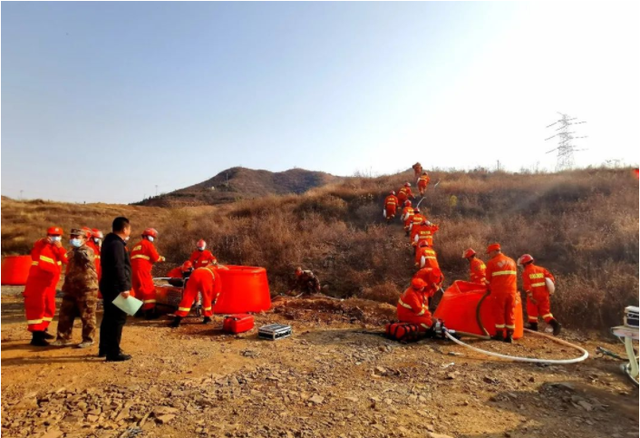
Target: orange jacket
391,200
426,275
200,259
416,220
502,275
413,307
47,260
144,255
477,271
427,258
96,250
408,213
423,232
404,193
533,279
423,181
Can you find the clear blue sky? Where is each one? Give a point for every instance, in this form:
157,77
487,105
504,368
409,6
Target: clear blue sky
102,101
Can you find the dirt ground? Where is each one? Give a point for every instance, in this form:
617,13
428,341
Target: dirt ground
330,379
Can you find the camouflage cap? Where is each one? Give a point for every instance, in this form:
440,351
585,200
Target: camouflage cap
77,232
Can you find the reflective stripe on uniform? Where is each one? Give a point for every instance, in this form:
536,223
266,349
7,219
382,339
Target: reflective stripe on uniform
429,257
510,327
405,305
493,274
499,326
539,275
424,326
148,301
533,318
140,256
34,263
538,284
34,321
47,319
47,259
59,263
548,315
184,309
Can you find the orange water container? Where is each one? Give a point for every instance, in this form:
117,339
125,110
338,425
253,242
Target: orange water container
15,270
244,289
458,309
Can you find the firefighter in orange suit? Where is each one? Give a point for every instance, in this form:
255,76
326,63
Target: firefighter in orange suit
143,256
391,204
201,280
477,268
423,182
502,279
424,231
426,257
413,305
534,283
416,220
202,257
405,193
47,257
407,215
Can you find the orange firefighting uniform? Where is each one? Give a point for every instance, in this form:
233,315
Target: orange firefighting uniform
426,274
424,232
96,250
417,170
502,278
407,213
427,257
477,271
422,183
413,307
404,193
416,220
200,259
391,203
202,280
143,256
40,290
533,283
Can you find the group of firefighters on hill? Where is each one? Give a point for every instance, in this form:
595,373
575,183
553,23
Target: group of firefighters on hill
499,275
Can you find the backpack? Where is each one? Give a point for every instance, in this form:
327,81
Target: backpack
403,332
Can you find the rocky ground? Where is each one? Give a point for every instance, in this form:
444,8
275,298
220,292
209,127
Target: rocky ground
333,378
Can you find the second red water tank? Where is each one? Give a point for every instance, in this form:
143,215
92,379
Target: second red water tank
244,289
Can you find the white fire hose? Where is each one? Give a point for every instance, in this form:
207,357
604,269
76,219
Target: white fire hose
585,354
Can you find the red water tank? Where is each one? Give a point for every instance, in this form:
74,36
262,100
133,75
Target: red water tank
15,270
244,289
458,309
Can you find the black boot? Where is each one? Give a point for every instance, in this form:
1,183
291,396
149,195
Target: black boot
120,357
47,335
176,322
556,327
533,326
206,320
499,336
150,314
509,337
38,340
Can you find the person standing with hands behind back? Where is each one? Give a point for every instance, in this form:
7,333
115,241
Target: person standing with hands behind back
116,280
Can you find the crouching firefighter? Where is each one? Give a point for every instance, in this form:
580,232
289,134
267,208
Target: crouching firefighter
535,284
413,305
203,281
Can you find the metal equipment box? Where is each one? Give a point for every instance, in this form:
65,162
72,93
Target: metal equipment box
274,331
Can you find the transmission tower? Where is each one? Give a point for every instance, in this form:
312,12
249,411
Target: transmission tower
565,136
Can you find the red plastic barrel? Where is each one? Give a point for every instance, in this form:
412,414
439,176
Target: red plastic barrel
458,309
244,289
15,270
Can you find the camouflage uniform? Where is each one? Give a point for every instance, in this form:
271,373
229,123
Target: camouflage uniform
80,298
307,283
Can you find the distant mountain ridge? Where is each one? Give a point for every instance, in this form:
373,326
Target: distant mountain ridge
241,183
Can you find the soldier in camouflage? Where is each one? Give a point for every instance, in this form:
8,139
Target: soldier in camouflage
80,291
306,283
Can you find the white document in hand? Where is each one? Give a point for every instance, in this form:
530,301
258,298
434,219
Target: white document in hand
127,305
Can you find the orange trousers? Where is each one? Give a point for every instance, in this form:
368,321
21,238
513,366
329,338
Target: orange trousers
391,211
539,305
39,303
422,187
197,283
504,310
143,288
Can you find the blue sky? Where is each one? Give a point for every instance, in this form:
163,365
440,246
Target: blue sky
104,101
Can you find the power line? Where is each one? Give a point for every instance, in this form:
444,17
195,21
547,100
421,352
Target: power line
565,147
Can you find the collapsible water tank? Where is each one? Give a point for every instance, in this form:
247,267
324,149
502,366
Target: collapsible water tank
15,270
244,289
458,305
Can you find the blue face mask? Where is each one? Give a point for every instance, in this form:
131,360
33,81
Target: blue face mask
76,243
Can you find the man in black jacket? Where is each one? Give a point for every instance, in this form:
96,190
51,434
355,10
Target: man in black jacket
116,279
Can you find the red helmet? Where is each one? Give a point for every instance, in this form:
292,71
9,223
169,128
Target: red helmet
392,192
524,259
201,244
186,266
468,253
435,276
150,232
54,231
87,232
418,284
493,247
407,203
97,233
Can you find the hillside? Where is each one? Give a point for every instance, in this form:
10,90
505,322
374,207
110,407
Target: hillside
241,183
582,225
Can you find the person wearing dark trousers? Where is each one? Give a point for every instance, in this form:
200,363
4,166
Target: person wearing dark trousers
116,280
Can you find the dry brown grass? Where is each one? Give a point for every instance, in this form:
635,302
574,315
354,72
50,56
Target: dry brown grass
582,225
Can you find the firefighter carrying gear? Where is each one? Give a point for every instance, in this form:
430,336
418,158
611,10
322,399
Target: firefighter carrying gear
538,297
407,216
405,193
201,280
426,257
391,204
424,232
143,256
477,268
503,283
47,257
413,305
423,182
